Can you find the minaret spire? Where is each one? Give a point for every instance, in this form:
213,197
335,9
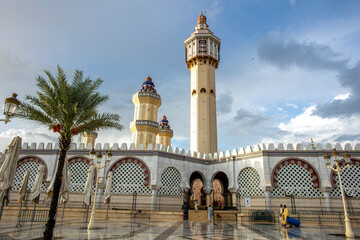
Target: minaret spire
202,54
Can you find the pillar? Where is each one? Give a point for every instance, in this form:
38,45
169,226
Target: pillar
153,197
267,192
327,201
267,200
208,198
233,200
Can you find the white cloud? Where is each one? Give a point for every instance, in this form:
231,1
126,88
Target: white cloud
342,96
305,126
292,105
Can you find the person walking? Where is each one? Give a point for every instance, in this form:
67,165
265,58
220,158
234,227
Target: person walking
210,212
196,205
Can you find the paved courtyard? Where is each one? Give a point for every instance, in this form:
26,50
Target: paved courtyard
125,229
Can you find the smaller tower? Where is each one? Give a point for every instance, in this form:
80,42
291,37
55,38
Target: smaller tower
165,133
145,126
89,137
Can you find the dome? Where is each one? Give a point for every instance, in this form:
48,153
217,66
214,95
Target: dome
164,119
201,19
164,123
148,85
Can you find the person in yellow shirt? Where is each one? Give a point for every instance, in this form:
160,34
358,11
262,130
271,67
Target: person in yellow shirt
285,215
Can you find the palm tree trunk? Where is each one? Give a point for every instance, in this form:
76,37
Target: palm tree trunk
64,146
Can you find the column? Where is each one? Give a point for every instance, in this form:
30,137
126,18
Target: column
233,200
327,201
153,197
268,200
208,198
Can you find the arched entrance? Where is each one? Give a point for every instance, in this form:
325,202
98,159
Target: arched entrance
220,192
196,191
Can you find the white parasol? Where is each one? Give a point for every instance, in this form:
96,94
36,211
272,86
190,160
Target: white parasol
23,188
88,185
36,187
107,193
49,191
8,168
65,188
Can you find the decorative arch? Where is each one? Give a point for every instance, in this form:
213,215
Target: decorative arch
300,162
170,180
78,167
193,92
202,90
197,175
297,177
212,91
350,178
30,163
249,183
130,174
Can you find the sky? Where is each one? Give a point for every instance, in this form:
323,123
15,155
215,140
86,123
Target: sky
289,69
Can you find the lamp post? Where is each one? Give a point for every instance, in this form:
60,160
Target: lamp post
335,157
98,167
10,106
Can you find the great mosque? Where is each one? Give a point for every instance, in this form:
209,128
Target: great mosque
263,175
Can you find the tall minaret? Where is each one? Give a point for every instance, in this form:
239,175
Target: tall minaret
145,126
202,54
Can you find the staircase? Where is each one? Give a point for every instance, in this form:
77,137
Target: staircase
201,215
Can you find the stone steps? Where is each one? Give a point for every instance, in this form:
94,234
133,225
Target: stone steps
201,215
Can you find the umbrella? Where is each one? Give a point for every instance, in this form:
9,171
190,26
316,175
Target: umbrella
49,191
23,188
36,187
8,168
88,185
2,158
65,187
107,193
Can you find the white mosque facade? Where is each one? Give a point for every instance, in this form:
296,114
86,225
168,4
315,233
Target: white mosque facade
264,174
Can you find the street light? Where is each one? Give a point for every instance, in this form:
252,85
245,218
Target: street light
98,167
335,157
10,106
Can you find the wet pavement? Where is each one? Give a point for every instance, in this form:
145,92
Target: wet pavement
125,229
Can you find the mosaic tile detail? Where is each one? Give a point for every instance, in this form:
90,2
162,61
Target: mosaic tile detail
170,180
295,179
350,178
130,177
32,165
249,183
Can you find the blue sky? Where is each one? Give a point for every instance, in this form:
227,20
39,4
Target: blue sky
289,70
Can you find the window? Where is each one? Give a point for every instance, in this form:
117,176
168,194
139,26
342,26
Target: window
203,90
193,92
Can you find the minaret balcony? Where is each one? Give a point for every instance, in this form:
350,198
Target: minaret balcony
147,97
144,125
149,94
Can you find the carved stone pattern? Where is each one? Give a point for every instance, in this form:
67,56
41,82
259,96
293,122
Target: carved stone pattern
350,178
32,164
130,175
295,179
170,180
249,183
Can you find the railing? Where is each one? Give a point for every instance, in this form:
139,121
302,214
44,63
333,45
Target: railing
32,215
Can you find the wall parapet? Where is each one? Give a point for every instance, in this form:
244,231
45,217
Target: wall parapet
208,157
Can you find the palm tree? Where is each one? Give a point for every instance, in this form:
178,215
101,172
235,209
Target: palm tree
68,109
